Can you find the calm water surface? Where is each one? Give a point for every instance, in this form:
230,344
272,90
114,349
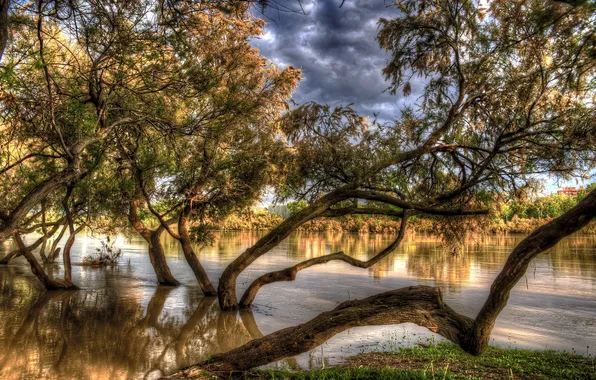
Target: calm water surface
121,325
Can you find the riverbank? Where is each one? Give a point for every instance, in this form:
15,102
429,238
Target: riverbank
263,221
443,361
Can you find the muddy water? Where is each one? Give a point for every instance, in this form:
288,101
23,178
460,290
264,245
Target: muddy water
121,325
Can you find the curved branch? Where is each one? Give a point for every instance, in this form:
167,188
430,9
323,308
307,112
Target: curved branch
336,212
289,274
517,264
227,284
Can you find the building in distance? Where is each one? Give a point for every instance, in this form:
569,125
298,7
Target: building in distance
570,191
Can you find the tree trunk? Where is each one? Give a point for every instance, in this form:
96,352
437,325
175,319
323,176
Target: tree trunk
66,253
158,260
517,263
3,25
190,255
54,250
38,270
156,252
227,283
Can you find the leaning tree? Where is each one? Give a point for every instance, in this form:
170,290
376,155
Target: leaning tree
502,94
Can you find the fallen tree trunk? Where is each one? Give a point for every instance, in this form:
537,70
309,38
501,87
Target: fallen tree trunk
289,274
422,305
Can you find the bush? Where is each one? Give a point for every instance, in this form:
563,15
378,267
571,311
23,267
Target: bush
105,255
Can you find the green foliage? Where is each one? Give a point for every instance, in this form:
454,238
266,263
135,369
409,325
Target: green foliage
296,206
551,206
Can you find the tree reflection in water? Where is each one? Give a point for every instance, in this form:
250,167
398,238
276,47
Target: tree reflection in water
98,335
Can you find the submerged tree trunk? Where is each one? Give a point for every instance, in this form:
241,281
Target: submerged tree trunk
38,270
156,251
289,274
227,284
66,253
158,259
191,257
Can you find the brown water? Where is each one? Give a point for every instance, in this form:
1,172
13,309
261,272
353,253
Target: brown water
121,325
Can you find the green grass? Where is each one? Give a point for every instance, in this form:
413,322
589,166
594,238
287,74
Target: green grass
446,361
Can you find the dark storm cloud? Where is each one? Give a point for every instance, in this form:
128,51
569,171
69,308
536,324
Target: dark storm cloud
337,51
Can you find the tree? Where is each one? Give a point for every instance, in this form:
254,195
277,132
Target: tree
222,140
87,82
503,98
421,305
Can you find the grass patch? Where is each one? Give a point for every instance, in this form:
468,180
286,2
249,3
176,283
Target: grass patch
446,361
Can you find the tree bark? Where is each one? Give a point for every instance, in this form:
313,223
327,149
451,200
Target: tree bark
422,305
289,274
191,257
4,4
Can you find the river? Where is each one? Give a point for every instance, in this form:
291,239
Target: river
121,325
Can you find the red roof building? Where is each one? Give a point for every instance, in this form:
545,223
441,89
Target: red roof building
570,191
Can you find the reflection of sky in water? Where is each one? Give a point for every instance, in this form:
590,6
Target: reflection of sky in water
122,325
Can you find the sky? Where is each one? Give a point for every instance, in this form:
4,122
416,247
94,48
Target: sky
341,61
337,52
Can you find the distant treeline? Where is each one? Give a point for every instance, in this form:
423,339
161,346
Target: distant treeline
514,217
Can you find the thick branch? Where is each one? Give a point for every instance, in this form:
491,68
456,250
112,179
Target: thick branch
33,198
388,199
227,283
289,274
337,212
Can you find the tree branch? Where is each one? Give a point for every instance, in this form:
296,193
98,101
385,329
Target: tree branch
289,274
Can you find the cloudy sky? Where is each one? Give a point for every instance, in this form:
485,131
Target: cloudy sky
337,51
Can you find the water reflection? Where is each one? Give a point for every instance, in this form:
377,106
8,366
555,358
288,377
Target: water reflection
97,335
123,326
